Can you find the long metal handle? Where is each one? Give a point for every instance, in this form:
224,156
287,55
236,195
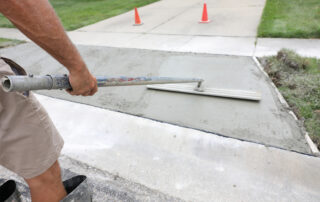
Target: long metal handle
48,82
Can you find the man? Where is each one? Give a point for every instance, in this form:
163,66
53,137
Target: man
29,143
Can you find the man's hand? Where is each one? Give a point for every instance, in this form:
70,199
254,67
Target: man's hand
82,83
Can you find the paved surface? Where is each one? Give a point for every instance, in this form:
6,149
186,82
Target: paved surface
228,18
239,46
184,163
104,185
266,122
173,26
305,47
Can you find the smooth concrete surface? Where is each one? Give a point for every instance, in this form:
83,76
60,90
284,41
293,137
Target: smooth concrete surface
106,187
242,46
184,163
304,47
266,122
239,22
12,33
228,18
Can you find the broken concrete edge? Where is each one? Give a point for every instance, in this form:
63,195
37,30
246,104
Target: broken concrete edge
315,151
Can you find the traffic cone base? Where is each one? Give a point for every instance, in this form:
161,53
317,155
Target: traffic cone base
138,24
204,21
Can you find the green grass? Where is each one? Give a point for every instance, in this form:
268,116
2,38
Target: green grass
78,13
8,42
290,19
298,79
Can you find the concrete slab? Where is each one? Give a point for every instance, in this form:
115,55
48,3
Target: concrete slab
102,39
266,122
124,23
159,42
185,163
241,46
151,15
224,22
305,47
234,4
12,33
229,18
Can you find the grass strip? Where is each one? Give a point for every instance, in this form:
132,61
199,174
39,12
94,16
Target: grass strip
290,19
9,42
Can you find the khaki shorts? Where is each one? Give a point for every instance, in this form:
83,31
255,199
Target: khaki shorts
29,142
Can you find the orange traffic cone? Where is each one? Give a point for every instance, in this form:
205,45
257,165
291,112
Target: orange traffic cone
137,20
204,14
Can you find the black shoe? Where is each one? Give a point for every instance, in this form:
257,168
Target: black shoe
77,190
9,192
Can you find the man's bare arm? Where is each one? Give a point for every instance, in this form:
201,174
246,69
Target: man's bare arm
38,21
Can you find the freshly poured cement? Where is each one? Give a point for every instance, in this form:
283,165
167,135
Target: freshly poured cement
266,122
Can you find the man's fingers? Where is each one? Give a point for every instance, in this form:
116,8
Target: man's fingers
94,90
86,88
71,92
86,93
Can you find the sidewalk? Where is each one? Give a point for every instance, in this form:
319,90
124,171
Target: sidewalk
170,25
239,46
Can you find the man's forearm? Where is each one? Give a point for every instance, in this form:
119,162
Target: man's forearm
37,20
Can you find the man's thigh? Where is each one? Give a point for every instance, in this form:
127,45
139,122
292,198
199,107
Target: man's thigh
29,142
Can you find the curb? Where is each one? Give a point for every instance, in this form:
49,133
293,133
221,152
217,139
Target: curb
315,151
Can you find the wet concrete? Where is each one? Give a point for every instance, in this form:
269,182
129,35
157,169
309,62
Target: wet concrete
266,122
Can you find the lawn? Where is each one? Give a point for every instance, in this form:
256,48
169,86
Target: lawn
290,19
298,80
8,42
78,13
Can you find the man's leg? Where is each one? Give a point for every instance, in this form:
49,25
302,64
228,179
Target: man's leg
29,143
47,186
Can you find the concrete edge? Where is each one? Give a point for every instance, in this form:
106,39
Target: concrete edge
311,144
